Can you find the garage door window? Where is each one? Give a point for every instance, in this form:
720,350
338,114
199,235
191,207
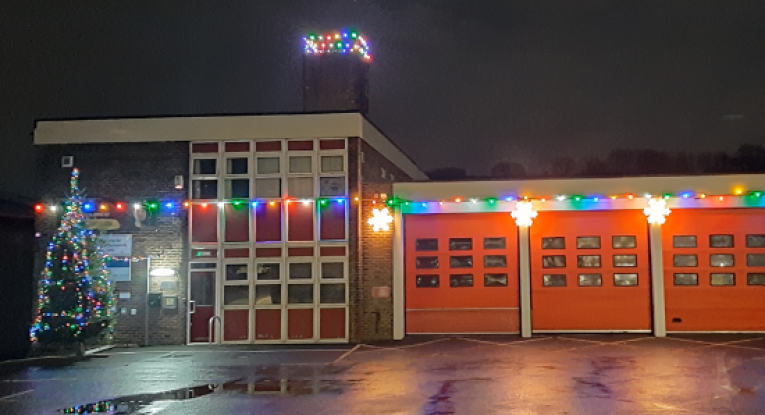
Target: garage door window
624,242
494,243
755,260
427,262
554,280
430,244
755,279
588,261
684,241
495,280
755,241
554,261
625,260
625,280
557,242
723,279
721,241
686,279
465,261
590,280
721,260
461,280
495,261
588,242
685,261
460,244
426,281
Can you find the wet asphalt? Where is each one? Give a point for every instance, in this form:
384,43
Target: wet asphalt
571,374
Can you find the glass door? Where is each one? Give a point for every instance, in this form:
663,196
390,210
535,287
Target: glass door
201,305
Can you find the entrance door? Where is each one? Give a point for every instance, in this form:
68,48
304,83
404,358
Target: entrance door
201,304
590,272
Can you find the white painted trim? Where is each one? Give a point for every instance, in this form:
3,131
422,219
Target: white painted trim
399,312
381,143
657,281
524,271
589,331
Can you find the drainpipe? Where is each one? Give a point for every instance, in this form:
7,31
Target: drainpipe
146,303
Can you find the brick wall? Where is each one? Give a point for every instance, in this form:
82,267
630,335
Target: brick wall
129,172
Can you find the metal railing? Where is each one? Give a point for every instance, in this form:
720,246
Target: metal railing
210,326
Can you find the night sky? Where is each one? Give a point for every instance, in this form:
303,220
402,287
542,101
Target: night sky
453,83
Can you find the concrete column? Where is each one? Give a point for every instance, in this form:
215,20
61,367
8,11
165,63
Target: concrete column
657,281
398,275
524,262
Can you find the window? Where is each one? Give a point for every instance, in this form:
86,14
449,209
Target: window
494,243
684,241
237,189
465,261
557,242
236,272
495,280
460,244
332,270
755,279
685,261
429,244
721,260
461,280
332,164
723,279
332,186
554,261
268,272
236,295
236,165
755,241
686,279
300,187
625,260
332,294
588,261
427,262
625,280
588,242
721,241
268,188
554,280
301,271
426,281
300,294
204,189
495,261
301,164
205,167
755,260
590,280
270,294
268,165
624,242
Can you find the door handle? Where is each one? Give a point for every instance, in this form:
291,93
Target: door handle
192,306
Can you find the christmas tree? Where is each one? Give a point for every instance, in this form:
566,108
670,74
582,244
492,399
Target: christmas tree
75,297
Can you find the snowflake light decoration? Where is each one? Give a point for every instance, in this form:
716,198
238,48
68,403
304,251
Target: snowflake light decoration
524,213
657,211
380,220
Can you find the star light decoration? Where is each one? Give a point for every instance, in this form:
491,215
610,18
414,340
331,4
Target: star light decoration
380,220
524,213
657,211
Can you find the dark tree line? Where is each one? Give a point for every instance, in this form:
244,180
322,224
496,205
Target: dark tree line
748,158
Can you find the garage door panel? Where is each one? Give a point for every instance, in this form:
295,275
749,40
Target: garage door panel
463,321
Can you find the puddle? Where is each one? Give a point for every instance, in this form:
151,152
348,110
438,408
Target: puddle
132,403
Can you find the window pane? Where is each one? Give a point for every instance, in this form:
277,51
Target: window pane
300,187
590,280
755,279
588,242
430,244
268,165
755,260
236,165
755,241
721,260
554,280
460,244
236,272
268,272
427,262
300,293
684,241
721,241
236,295
205,166
588,261
237,189
268,188
426,281
495,280
686,279
625,260
300,164
685,261
332,164
204,189
494,243
270,294
625,280
300,271
333,270
624,242
462,280
461,261
332,293
554,261
723,279
495,261
554,243
202,265
332,186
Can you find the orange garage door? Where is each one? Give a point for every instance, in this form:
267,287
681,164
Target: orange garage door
461,273
590,271
714,270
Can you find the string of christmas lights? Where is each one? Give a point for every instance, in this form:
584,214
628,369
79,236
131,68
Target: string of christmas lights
346,42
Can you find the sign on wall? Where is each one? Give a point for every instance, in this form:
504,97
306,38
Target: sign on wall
120,247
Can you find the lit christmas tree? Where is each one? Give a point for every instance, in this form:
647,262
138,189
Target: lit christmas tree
75,298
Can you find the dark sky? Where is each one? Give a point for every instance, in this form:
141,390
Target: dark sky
454,83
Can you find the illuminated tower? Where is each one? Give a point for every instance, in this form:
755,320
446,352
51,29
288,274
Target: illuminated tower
335,72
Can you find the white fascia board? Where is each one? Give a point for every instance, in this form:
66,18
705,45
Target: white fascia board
234,127
381,143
